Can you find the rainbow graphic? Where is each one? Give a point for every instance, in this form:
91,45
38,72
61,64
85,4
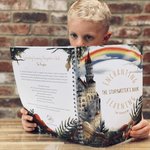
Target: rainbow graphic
107,53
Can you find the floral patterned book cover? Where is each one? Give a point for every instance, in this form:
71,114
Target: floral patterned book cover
87,95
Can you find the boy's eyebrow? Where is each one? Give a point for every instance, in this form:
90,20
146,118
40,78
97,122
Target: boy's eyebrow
72,32
87,33
91,33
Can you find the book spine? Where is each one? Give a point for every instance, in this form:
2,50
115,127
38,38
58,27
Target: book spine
74,83
80,127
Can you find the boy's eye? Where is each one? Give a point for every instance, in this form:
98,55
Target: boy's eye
88,37
73,35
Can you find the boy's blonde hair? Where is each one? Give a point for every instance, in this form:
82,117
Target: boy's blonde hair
93,10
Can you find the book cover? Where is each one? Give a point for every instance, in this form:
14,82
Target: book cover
88,95
109,93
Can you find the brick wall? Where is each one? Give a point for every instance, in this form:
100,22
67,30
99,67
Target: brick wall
44,22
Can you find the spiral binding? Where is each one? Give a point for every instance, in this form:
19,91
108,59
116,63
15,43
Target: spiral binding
76,93
80,128
74,84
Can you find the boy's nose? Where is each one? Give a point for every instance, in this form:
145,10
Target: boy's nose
80,43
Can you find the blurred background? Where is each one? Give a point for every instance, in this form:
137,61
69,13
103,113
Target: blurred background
44,23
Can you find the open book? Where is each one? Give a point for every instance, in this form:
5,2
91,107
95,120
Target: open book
88,95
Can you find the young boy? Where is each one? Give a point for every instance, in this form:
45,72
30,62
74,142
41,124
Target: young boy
88,24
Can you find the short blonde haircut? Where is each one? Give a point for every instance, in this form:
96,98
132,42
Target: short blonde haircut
93,10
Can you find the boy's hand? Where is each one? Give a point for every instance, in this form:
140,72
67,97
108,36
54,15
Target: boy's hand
141,130
28,126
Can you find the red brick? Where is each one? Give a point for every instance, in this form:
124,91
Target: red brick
136,41
33,41
147,8
146,91
146,68
5,42
46,30
14,4
114,42
5,54
146,57
15,29
146,103
51,5
146,80
16,91
125,32
58,30
60,42
29,17
59,18
7,78
125,8
4,17
146,43
6,90
146,32
133,41
116,20
137,20
40,30
7,114
8,102
6,67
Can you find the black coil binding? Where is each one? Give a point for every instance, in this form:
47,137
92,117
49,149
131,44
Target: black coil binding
80,128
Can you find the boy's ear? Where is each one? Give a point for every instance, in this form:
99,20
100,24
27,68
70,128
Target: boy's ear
106,38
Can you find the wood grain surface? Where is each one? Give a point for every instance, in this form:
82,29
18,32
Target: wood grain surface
13,137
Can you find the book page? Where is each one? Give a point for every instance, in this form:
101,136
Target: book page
45,84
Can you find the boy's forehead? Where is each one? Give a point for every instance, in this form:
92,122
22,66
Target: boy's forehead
77,23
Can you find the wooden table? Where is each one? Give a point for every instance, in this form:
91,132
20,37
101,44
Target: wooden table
13,137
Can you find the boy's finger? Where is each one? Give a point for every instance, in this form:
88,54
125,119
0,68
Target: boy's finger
30,125
139,134
29,129
140,125
142,133
27,117
23,111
